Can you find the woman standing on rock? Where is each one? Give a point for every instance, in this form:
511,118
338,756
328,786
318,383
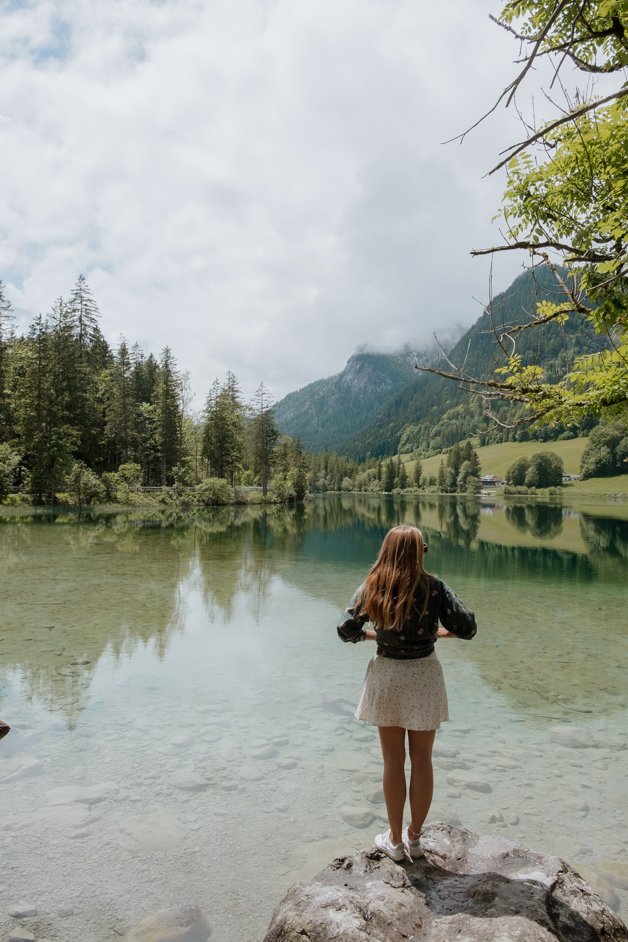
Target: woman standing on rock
404,689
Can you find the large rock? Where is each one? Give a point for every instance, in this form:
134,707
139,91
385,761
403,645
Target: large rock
469,888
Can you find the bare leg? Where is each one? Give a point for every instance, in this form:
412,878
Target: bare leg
421,777
392,741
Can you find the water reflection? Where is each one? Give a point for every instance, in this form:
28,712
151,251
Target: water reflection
541,520
605,537
109,584
79,591
460,520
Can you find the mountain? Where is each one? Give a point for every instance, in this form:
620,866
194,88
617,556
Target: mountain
380,405
326,413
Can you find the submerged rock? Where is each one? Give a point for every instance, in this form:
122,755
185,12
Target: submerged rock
480,889
181,924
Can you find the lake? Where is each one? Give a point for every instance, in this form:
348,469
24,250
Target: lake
181,706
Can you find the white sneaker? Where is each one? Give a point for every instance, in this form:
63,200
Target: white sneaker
396,852
413,845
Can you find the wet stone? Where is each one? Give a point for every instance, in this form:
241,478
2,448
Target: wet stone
350,763
287,763
181,924
377,797
189,781
22,910
20,934
11,770
615,871
264,752
469,782
84,794
357,817
573,737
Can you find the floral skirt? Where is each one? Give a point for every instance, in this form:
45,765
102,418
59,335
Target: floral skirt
407,693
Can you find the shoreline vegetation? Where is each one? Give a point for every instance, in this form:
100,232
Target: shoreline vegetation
518,472
164,501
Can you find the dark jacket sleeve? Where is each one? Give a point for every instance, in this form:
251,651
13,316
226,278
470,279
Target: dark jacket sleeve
454,615
351,626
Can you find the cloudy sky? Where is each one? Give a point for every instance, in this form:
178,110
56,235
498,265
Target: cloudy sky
259,184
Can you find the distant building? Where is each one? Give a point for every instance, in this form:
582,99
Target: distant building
570,477
491,480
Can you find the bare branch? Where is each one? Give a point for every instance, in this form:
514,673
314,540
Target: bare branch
575,255
571,116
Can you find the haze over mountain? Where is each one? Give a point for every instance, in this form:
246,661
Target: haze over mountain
379,403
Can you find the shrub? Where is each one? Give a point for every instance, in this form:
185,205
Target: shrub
213,492
281,489
83,486
9,463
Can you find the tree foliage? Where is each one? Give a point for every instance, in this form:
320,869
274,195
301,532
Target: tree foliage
542,469
566,203
607,451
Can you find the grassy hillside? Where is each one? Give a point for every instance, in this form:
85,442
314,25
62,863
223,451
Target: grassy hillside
496,459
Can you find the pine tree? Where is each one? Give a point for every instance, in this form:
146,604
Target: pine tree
120,418
441,477
83,314
223,433
418,473
389,475
401,475
6,324
47,441
264,434
167,405
80,354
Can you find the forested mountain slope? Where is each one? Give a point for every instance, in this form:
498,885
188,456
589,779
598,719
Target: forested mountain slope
429,413
326,413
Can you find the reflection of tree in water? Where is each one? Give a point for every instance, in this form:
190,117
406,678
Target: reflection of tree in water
78,592
495,561
459,519
241,552
538,648
605,536
541,520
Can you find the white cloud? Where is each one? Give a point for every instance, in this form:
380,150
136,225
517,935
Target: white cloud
260,184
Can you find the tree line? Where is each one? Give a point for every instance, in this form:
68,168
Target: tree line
79,417
72,408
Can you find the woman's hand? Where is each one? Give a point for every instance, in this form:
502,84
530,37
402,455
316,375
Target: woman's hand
370,635
443,633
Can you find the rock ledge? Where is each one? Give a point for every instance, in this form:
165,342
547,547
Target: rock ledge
469,887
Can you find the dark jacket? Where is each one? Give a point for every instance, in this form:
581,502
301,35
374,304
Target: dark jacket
416,638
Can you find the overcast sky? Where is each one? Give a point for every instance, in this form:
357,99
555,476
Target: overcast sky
259,184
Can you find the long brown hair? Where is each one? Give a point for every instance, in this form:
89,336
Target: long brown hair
394,581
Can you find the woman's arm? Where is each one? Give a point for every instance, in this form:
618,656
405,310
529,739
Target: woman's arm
454,615
351,626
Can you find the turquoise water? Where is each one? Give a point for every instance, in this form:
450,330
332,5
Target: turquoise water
182,709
